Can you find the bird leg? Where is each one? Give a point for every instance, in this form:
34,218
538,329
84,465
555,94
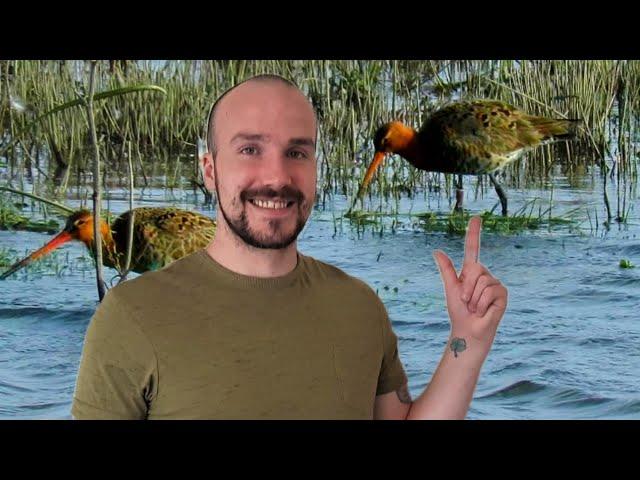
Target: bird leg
501,194
459,195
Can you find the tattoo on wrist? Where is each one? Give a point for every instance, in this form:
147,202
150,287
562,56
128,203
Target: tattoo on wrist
457,345
403,394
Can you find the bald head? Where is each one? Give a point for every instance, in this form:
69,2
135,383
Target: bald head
262,137
245,87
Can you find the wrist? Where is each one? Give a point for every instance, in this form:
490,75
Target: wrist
462,343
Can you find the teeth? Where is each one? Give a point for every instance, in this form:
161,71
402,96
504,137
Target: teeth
270,204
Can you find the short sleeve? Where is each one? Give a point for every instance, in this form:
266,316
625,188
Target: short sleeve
117,376
392,373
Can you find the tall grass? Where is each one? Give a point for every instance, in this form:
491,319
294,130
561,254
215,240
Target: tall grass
352,98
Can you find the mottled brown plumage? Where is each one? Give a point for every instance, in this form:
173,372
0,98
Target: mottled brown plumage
160,236
468,138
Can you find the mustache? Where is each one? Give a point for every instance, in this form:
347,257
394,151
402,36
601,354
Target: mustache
286,193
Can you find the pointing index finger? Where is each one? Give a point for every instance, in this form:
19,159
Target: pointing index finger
472,241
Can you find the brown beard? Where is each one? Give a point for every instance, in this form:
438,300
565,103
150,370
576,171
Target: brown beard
240,225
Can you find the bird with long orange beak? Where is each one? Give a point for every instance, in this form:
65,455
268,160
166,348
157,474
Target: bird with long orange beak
468,138
160,236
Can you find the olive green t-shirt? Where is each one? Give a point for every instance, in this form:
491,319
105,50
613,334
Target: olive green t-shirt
198,341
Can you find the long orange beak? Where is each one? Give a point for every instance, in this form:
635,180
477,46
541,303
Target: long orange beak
62,237
377,160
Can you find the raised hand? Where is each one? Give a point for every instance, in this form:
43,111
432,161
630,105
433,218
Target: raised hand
476,300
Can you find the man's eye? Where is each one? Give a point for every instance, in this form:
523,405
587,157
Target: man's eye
249,150
297,154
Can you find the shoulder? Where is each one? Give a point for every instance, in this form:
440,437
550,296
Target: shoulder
159,282
339,279
328,271
144,298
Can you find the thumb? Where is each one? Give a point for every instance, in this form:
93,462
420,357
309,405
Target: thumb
447,270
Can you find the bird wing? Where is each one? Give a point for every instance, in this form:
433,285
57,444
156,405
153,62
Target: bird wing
180,223
163,235
482,128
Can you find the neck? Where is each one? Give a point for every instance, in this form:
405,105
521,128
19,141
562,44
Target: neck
235,255
409,147
110,257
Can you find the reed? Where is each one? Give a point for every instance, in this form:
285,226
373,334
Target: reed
47,148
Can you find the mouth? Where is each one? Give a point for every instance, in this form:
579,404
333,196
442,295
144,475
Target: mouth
272,204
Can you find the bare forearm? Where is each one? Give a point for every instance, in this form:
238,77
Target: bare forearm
476,302
450,391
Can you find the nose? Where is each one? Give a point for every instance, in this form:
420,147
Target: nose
276,171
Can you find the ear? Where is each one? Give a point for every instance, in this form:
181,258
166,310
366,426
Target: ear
208,172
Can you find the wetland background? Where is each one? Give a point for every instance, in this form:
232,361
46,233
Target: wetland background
568,346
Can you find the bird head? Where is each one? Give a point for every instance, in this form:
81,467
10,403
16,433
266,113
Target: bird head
392,137
79,226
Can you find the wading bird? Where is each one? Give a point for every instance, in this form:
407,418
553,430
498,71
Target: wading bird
160,236
468,138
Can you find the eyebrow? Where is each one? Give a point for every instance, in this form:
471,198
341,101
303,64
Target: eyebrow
303,142
257,137
253,137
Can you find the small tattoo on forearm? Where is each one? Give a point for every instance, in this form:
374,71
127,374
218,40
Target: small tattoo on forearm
458,345
403,394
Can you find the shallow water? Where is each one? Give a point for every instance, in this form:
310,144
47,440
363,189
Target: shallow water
568,346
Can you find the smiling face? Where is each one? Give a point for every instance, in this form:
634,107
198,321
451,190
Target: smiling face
264,165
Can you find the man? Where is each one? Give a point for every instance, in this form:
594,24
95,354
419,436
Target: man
250,327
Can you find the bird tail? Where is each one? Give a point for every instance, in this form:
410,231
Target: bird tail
557,128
